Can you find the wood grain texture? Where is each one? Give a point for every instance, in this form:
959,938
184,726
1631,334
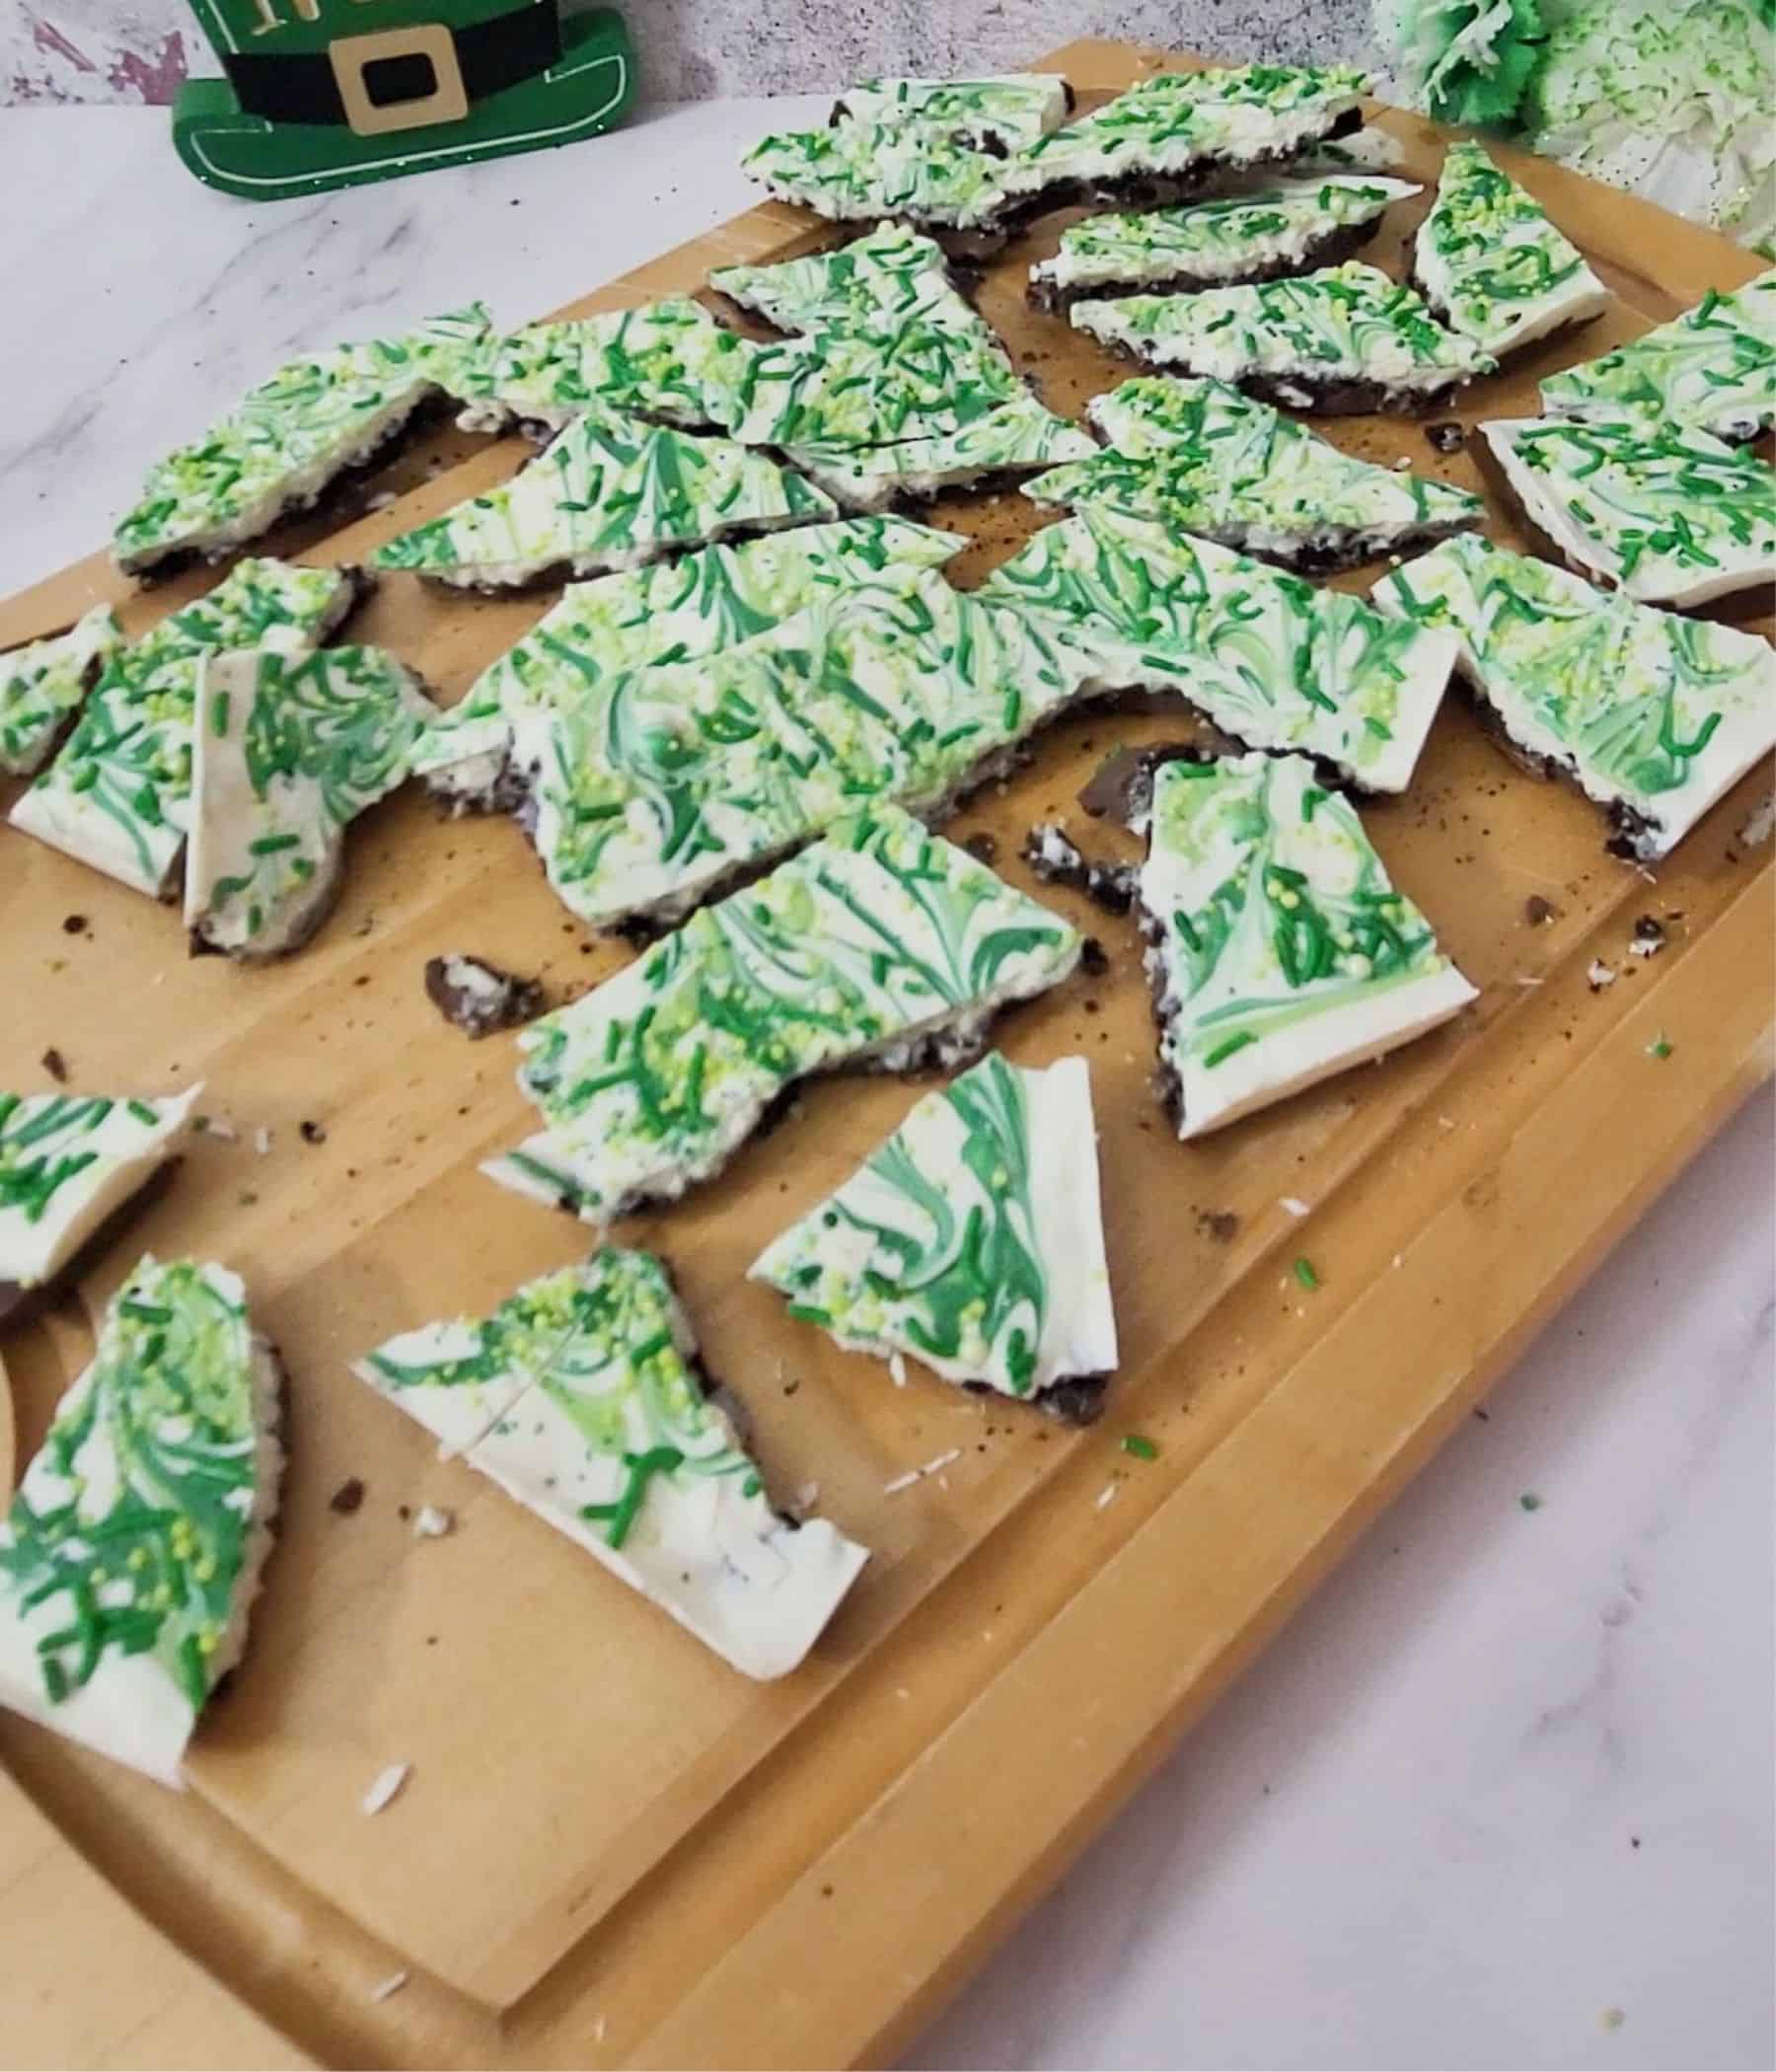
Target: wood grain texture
612,1849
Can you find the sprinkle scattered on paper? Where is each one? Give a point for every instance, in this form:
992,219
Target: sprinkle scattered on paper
429,1523
919,1474
388,1988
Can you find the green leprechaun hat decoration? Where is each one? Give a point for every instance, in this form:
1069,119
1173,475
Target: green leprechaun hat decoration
329,93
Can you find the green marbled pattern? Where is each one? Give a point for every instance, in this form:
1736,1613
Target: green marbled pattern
1228,240
1651,712
1267,657
663,781
890,275
1348,322
667,359
908,147
609,491
289,753
666,612
61,1157
1203,457
311,418
117,796
133,1529
1170,122
873,936
1274,922
1492,264
604,1340
1654,508
42,685
1713,369
933,1247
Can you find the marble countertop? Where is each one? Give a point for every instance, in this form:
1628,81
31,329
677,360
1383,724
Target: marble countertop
1502,1794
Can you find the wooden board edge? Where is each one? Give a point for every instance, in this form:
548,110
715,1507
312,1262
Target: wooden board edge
1095,1699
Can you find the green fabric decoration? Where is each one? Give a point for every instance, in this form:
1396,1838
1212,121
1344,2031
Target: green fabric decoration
1669,98
1468,61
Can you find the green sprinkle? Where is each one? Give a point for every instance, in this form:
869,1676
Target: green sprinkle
269,844
143,1113
1530,1500
1228,1046
1142,1448
1304,1273
1660,1047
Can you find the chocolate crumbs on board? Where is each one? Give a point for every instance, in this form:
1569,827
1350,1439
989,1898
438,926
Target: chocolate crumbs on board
348,1498
1445,436
56,1066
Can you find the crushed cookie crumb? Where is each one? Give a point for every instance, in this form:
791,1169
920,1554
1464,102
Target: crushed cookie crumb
349,1496
56,1066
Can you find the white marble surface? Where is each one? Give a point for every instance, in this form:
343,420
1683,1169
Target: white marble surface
1509,1771
135,51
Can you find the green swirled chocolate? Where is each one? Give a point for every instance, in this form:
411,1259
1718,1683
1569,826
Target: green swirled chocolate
890,275
41,686
1492,265
1201,458
1179,126
132,1551
1671,516
1283,226
880,943
667,611
1279,949
67,1162
1713,369
663,781
930,150
288,754
291,436
609,491
971,1239
1347,338
117,796
1268,658
1652,714
667,359
580,1396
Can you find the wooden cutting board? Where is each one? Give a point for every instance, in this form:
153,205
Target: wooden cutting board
611,1849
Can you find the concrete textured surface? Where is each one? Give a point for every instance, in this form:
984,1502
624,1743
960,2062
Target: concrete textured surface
138,50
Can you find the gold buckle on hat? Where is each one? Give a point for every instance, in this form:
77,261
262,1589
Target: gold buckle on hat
448,100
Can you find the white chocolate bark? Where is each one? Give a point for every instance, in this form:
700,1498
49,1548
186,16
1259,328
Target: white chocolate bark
67,1162
1270,660
117,796
1267,229
971,1239
580,1397
1279,949
881,942
133,1549
1654,715
291,436
1713,369
1492,265
1298,339
288,754
1202,458
41,686
1670,517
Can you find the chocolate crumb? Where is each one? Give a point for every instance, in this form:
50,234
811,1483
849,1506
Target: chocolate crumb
311,1133
1220,1223
1092,960
982,848
1649,936
1446,436
404,1511
1539,911
74,924
348,1497
479,998
56,1066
